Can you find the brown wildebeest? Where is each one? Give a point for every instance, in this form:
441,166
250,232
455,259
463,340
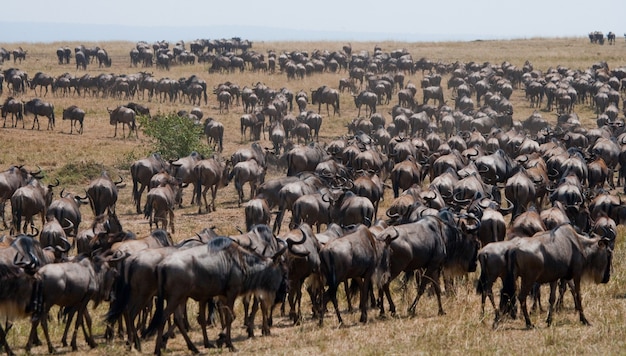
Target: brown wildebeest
125,116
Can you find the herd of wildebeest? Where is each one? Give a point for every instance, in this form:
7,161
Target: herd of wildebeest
448,167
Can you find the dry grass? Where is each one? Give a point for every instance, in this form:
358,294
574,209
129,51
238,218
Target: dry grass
461,331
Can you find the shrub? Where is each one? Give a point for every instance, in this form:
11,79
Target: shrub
174,136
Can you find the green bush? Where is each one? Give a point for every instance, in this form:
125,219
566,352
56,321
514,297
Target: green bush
174,136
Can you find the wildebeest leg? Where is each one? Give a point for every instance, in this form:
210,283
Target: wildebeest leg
44,325
31,337
226,307
552,300
431,275
4,342
178,320
523,293
365,286
87,330
578,301
171,212
138,197
115,132
203,324
68,322
213,195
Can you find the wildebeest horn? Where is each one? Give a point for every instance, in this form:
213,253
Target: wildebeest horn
472,228
54,185
120,181
291,242
35,234
71,226
455,197
35,174
509,209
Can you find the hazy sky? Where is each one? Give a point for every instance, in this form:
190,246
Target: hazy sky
491,18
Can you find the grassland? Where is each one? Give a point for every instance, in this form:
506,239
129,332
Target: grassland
76,159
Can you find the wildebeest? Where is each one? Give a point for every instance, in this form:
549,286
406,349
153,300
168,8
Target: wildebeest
81,60
67,208
358,255
328,96
16,108
10,180
75,115
257,212
28,201
430,244
142,171
18,263
367,98
160,203
227,270
42,80
211,174
247,171
214,131
102,193
39,107
71,285
553,255
125,116
64,54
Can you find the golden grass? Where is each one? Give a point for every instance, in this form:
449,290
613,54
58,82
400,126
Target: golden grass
461,331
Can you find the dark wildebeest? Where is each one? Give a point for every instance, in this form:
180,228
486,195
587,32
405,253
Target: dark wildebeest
430,244
358,255
550,256
42,80
125,116
18,264
102,194
40,107
227,270
28,201
214,131
142,171
67,208
81,60
71,285
367,98
16,108
160,203
211,174
10,181
75,115
435,93
257,212
328,96
247,171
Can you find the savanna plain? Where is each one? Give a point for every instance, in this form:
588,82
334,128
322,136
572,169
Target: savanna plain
76,159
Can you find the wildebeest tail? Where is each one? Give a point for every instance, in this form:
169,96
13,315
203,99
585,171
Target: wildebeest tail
147,211
482,280
157,319
36,299
121,294
507,295
198,188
